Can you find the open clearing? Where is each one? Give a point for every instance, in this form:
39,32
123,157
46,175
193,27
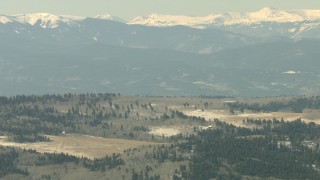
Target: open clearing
236,119
79,145
165,131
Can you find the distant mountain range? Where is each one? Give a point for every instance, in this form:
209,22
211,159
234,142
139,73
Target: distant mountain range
266,14
266,22
268,52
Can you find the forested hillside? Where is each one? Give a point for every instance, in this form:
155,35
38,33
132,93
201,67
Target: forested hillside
160,139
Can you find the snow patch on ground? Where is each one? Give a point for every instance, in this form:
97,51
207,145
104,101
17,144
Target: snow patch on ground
292,72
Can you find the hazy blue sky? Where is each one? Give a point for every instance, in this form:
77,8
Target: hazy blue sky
127,9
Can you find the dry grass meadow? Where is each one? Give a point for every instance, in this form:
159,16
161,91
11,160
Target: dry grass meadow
79,145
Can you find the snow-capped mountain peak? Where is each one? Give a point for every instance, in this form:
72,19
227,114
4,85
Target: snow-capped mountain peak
155,19
4,19
44,20
266,14
104,16
273,15
109,17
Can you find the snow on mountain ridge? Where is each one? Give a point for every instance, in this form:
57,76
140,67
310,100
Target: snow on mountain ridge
104,16
272,14
46,20
309,14
173,20
4,19
266,14
109,17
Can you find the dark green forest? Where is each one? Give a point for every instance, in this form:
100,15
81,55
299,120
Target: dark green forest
260,149
284,150
297,104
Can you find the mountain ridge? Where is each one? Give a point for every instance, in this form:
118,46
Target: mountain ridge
265,14
47,20
45,53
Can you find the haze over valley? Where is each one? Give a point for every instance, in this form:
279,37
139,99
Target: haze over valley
260,53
